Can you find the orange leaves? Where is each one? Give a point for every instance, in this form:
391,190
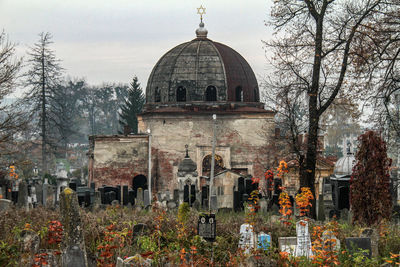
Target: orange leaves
40,260
282,169
113,239
285,210
325,249
12,172
55,231
394,258
253,207
303,200
255,180
269,175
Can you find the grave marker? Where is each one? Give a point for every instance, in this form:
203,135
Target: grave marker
125,199
146,198
264,241
288,244
206,227
303,239
247,238
354,244
73,244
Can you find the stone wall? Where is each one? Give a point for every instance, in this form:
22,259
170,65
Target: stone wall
115,160
244,141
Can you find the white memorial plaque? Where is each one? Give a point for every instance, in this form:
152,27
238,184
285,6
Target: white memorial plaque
303,239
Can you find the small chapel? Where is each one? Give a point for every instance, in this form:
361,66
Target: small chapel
197,92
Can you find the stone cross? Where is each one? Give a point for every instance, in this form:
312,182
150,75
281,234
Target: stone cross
73,244
303,239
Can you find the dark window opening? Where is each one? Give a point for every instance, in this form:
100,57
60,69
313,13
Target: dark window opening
211,93
157,95
256,95
181,94
239,94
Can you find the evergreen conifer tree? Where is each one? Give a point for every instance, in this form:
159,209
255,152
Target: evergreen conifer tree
132,106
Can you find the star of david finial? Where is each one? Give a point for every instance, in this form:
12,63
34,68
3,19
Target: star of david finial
201,11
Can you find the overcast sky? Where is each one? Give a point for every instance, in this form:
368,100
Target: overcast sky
112,40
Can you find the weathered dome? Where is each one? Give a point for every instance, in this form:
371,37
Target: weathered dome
344,165
202,70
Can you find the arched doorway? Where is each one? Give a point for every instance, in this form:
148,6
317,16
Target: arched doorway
139,181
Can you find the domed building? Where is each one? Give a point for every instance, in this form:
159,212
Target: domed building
187,86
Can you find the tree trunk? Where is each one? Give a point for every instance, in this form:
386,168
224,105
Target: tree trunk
44,139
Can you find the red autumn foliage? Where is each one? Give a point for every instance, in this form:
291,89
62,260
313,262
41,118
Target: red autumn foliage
370,182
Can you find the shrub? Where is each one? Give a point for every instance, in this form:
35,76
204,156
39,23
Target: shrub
370,182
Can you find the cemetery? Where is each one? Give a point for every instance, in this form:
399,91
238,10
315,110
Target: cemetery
205,165
71,224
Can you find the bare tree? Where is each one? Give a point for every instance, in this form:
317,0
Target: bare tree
12,118
319,54
43,77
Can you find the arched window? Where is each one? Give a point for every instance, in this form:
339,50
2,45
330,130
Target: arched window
239,94
218,164
181,94
211,93
256,95
157,95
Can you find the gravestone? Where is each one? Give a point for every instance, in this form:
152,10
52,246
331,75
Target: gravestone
354,244
5,204
320,208
236,201
33,196
303,239
288,244
344,215
87,198
73,244
111,197
196,204
264,241
146,198
330,241
176,195
125,198
45,189
97,200
102,195
263,203
171,205
39,193
139,197
206,227
247,238
118,193
23,195
374,236
131,197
